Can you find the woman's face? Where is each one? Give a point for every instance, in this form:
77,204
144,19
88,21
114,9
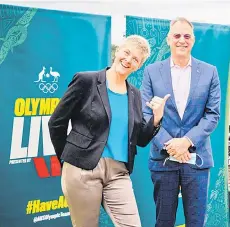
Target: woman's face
128,58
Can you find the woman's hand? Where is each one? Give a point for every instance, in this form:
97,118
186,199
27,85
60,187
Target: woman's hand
157,105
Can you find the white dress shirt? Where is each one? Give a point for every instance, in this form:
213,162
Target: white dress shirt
181,80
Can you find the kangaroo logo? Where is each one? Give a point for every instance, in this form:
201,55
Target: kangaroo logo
40,75
45,83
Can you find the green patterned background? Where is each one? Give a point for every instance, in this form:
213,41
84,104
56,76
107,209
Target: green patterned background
213,46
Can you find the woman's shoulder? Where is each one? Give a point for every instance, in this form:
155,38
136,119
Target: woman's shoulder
86,76
133,88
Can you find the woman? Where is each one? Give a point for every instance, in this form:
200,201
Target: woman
107,124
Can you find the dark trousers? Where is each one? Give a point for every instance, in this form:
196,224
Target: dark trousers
194,188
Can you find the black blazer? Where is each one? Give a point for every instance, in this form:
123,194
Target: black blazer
86,104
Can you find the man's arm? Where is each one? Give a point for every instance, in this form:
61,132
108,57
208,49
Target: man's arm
211,116
147,94
59,121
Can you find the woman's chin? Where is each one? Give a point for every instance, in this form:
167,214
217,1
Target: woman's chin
122,71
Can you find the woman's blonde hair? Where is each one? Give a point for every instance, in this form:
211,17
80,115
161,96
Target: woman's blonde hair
140,42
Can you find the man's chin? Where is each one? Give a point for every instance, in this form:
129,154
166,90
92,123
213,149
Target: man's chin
182,54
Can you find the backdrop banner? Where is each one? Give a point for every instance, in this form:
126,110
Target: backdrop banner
40,51
212,45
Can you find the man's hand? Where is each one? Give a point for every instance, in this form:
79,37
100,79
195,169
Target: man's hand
177,147
184,157
157,105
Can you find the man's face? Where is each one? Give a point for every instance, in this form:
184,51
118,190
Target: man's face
181,39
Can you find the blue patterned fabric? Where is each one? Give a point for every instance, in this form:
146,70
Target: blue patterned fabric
166,191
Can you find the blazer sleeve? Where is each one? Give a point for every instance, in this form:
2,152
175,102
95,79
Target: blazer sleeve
147,94
211,116
59,120
147,130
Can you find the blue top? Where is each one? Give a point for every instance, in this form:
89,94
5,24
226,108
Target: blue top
117,144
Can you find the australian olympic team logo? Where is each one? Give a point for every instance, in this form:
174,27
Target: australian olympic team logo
48,82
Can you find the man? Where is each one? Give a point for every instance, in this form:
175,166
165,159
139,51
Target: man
181,154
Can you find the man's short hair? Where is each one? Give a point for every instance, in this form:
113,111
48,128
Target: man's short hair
181,19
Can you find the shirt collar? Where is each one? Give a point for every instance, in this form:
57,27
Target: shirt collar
172,65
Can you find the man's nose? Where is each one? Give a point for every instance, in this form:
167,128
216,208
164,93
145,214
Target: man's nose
182,39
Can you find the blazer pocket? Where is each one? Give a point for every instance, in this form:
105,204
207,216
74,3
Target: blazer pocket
78,139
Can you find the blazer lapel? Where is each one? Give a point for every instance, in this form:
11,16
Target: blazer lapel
165,71
102,89
130,108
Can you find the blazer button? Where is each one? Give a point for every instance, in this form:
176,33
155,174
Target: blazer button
130,143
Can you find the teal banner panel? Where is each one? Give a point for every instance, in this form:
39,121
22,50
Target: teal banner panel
212,45
40,51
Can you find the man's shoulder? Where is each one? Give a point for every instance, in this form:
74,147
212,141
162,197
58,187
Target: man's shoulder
156,64
203,63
